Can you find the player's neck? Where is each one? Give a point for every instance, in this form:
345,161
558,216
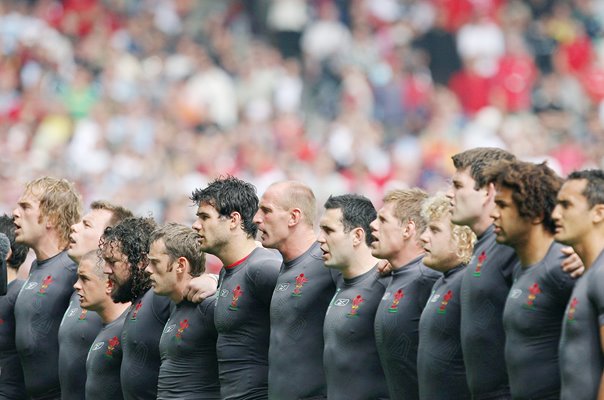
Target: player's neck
482,224
297,244
112,311
406,255
11,274
535,247
177,295
590,247
48,246
236,250
362,262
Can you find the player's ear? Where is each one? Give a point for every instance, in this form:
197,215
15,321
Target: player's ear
490,192
182,265
410,229
235,219
358,236
598,213
295,216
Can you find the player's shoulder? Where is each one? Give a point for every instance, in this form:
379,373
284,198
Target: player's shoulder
595,275
382,280
161,305
551,268
207,305
62,260
263,258
426,274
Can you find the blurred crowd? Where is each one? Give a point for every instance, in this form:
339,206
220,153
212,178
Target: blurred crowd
141,101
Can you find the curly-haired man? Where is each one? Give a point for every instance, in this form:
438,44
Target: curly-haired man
124,249
524,200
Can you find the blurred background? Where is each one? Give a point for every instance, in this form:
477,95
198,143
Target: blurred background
141,101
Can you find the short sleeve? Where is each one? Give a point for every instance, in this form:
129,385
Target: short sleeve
595,291
560,280
264,278
162,307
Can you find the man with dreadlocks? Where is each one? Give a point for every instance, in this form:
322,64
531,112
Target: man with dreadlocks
124,249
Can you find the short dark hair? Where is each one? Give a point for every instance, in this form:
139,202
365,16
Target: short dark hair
131,238
534,188
357,212
228,195
118,213
594,190
182,241
19,250
478,159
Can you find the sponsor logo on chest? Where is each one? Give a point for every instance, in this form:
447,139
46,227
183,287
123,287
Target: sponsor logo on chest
97,346
341,302
282,287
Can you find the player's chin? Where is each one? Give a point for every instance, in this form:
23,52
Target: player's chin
429,260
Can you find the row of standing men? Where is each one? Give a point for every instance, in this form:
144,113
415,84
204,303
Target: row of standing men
479,298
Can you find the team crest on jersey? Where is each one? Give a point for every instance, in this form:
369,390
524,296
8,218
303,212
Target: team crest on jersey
534,290
397,298
572,308
45,284
237,293
300,281
184,324
356,304
136,310
82,316
481,259
113,343
442,309
282,287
